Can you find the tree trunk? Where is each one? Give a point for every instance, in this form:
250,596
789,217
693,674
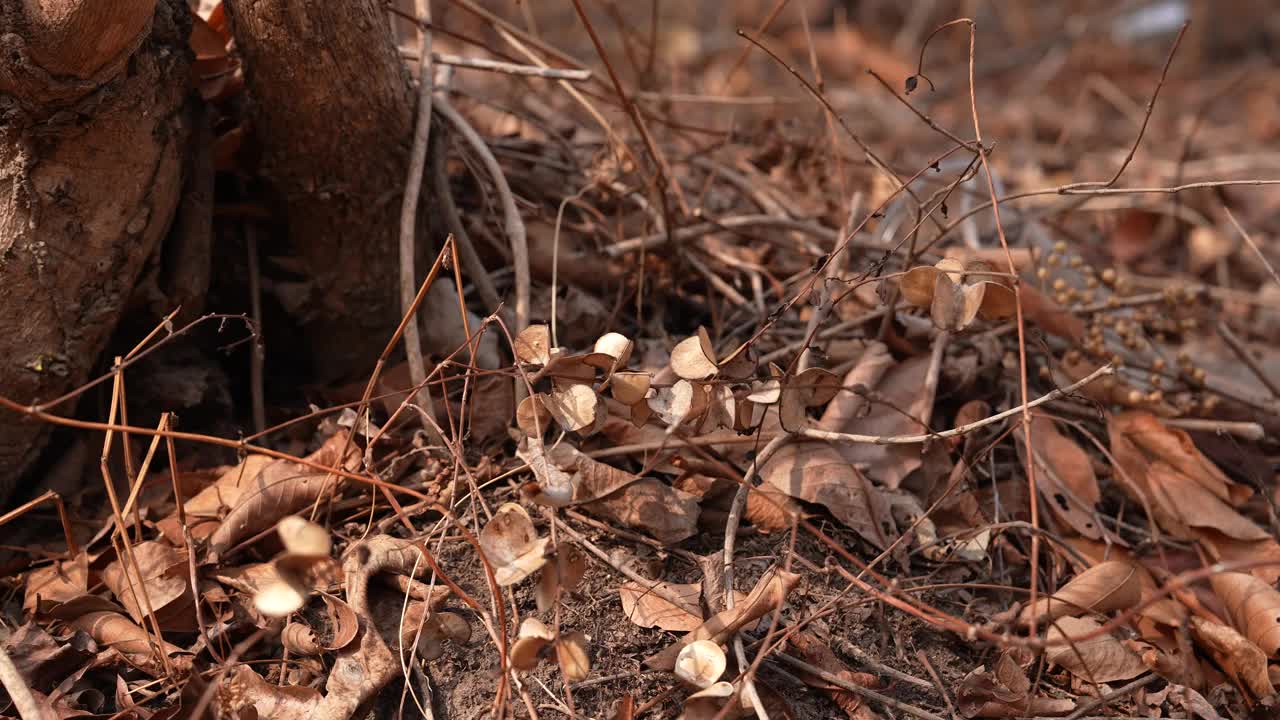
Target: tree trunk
333,110
91,141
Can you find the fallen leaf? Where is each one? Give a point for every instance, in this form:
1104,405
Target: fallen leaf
694,358
532,639
1244,660
576,408
512,545
770,592
41,660
533,345
1097,659
701,664
651,506
1064,475
815,472
160,581
1107,586
1253,606
657,606
282,488
903,403
572,654
1003,692
559,576
107,624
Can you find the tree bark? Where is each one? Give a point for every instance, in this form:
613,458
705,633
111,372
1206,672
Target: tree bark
91,142
333,110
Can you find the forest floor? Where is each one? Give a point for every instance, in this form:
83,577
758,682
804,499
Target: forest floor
953,462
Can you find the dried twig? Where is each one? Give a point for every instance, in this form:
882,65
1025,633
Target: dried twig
498,66
511,214
409,218
960,429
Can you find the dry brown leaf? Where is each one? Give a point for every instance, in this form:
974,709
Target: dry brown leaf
770,592
903,391
815,472
573,656
955,299
630,388
683,403
512,545
1175,448
576,408
1065,477
1003,692
1253,606
710,703
164,586
57,583
694,358
533,345
654,606
813,651
1112,585
107,624
282,488
560,575
1235,654
299,639
651,506
1096,659
701,663
532,639
1051,317
533,417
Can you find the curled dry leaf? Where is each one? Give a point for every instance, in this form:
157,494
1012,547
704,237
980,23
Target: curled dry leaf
955,299
815,472
1107,586
282,488
770,592
669,606
560,576
616,347
1235,654
533,417
512,545
701,663
107,624
694,358
1004,692
684,402
1064,475
630,387
1096,659
299,639
533,345
164,586
1253,606
719,700
533,638
573,656
343,620
577,408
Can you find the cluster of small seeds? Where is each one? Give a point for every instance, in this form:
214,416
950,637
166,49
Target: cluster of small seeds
1125,331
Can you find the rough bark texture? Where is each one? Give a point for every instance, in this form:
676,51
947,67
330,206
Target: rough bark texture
333,110
91,137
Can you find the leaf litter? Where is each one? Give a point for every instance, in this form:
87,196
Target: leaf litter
834,366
